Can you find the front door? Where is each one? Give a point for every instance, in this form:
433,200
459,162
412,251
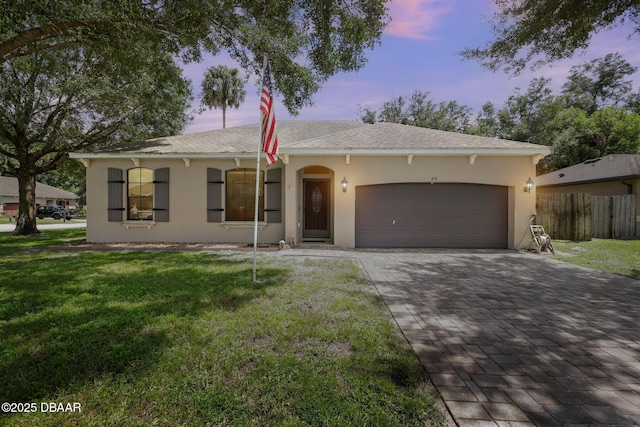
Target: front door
316,208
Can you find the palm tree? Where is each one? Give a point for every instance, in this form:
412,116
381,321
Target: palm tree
222,87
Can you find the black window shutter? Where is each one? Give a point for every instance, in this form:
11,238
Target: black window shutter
273,190
161,195
115,183
214,195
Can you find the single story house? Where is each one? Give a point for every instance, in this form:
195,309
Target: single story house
611,175
46,195
341,182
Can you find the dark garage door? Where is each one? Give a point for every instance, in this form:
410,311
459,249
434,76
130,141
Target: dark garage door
422,215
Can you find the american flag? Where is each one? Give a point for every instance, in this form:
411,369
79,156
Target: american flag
269,135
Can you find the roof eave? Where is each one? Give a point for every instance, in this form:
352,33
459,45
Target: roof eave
544,151
589,181
130,155
529,151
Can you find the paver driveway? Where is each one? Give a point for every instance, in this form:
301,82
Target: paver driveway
517,339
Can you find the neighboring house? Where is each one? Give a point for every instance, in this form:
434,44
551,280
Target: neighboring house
346,183
46,195
612,175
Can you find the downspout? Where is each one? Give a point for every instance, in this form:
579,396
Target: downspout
629,187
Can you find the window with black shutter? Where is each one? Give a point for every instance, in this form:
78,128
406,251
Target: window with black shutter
115,184
273,187
161,195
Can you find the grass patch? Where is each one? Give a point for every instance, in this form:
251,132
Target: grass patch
185,338
8,220
611,255
16,245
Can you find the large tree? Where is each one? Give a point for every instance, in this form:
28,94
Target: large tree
81,73
599,83
590,118
55,102
578,136
307,40
487,122
222,87
537,32
526,115
420,110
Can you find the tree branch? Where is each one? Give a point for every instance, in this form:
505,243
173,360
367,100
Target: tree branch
7,153
23,43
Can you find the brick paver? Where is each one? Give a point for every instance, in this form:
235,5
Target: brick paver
517,339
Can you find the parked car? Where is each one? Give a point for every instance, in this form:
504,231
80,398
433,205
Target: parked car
55,212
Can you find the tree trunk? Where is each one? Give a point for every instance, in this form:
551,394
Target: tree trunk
26,223
224,116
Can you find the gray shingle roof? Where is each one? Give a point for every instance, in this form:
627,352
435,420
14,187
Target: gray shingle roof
613,166
9,187
397,136
329,136
241,139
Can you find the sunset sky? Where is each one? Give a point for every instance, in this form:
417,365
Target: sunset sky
419,51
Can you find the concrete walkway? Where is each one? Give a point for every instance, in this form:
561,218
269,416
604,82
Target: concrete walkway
513,339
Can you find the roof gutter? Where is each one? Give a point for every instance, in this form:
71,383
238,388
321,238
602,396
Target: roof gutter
129,155
420,151
591,181
542,151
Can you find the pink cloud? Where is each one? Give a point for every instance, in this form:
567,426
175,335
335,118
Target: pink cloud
415,18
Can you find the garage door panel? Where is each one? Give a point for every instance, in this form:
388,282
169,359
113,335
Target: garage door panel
425,215
378,240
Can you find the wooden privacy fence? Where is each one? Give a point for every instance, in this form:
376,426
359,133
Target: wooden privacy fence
581,216
565,216
614,217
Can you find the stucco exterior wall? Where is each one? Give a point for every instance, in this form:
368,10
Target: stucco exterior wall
507,171
187,206
188,186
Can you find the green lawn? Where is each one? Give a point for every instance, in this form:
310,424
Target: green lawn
7,220
186,338
615,256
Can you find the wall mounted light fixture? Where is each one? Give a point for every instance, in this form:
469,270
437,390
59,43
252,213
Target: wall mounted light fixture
528,186
345,184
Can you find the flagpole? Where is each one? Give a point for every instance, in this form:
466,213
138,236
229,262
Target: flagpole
256,207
